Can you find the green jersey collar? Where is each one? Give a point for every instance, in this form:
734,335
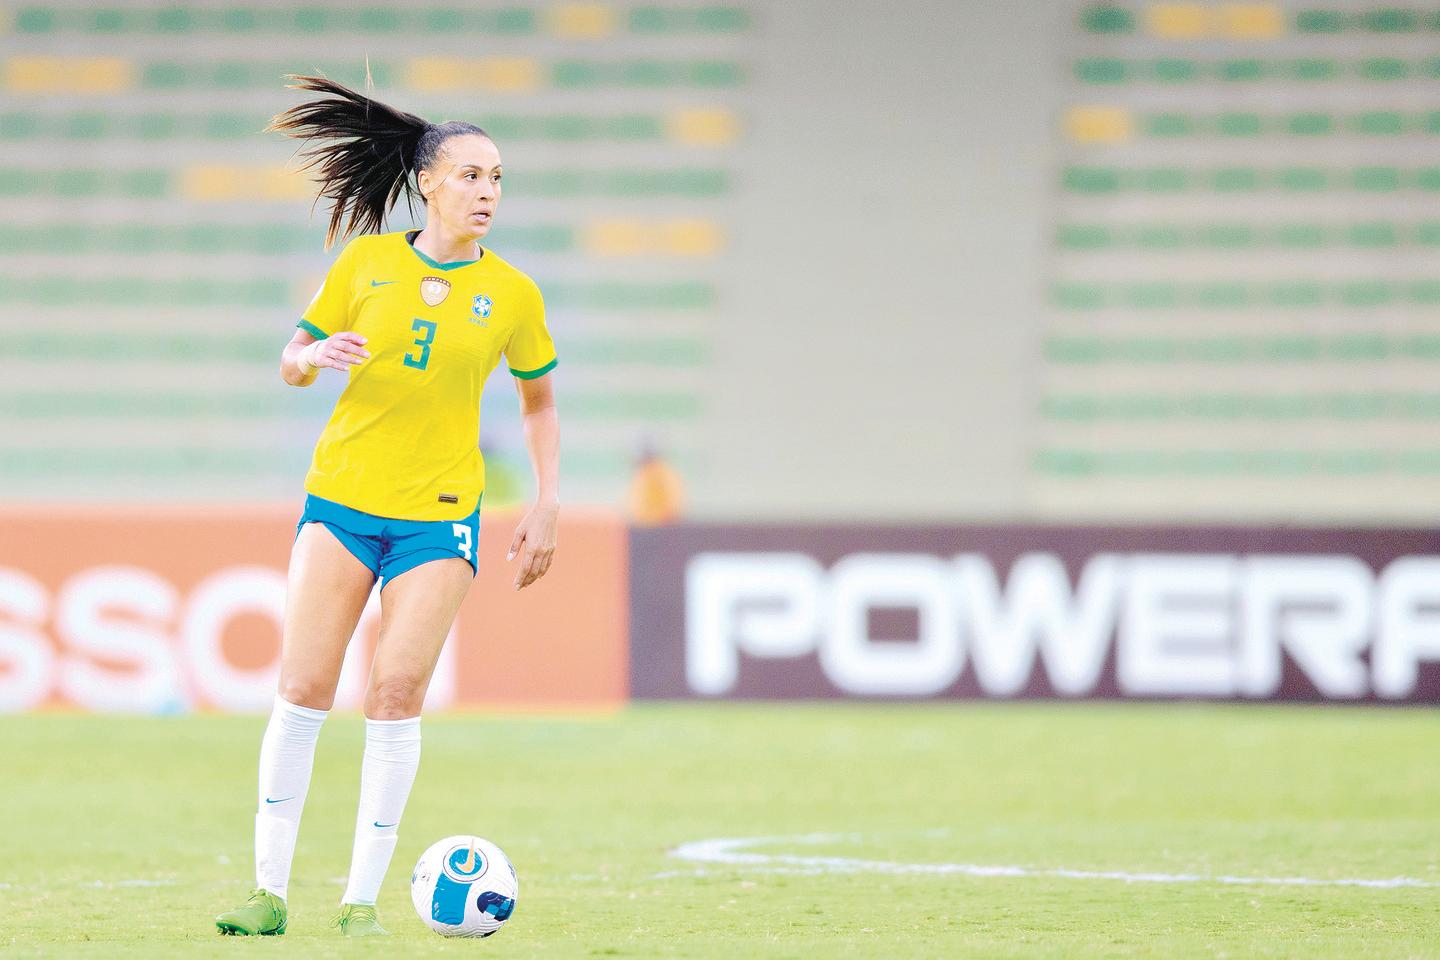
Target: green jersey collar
410,236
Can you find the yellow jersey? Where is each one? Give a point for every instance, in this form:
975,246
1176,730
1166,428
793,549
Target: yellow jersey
404,439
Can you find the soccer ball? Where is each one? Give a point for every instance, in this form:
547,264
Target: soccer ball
464,887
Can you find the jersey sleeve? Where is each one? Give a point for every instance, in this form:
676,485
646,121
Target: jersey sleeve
530,352
330,310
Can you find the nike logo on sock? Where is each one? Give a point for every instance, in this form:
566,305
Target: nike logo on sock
281,800
382,826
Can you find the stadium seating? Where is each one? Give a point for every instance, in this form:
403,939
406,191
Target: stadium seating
1246,219
160,246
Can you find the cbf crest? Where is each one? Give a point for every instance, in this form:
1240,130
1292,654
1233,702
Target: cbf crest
434,290
480,307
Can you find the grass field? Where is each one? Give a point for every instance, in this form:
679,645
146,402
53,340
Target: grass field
124,836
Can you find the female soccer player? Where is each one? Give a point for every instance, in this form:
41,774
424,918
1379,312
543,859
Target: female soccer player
415,322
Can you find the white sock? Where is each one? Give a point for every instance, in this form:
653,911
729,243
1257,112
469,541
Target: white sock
286,756
392,755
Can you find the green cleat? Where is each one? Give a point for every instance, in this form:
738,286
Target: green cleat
358,920
263,914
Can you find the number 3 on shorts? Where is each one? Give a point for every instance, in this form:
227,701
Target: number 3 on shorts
462,534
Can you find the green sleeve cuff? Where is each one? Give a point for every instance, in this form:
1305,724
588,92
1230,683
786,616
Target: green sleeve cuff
313,330
538,372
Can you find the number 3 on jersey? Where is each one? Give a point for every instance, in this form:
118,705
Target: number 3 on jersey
462,539
426,329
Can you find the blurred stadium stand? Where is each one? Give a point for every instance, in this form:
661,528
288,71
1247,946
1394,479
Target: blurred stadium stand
158,246
1163,261
1244,291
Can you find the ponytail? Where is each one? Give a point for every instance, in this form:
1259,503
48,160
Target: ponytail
370,159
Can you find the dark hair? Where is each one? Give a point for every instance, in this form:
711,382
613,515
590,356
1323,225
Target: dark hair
372,155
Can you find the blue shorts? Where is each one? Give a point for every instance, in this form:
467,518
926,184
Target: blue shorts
390,547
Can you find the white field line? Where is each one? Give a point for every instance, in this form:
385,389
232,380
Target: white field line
733,852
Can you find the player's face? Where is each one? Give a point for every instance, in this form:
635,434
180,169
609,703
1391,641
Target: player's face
465,185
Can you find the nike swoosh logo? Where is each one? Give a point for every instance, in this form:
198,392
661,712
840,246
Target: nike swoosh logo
382,826
380,283
469,863
281,800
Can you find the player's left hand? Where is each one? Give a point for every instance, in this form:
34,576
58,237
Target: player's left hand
535,543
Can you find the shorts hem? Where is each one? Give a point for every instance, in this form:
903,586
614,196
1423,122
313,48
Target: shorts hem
419,558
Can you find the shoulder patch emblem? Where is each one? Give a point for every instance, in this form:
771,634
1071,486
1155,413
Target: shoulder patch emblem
434,290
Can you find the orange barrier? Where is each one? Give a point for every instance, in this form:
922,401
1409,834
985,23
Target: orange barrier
163,609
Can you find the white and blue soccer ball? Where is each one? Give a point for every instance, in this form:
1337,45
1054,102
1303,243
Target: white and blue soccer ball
464,887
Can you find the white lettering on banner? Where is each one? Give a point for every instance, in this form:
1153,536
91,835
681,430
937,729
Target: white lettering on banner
1037,614
1319,610
1409,624
130,642
851,657
1208,625
150,682
216,601
762,604
27,662
1176,627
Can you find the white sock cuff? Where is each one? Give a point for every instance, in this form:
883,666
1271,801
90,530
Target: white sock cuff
284,706
407,729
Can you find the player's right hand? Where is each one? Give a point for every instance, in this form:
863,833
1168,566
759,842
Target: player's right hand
339,350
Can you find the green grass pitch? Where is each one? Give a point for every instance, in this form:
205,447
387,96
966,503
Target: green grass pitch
123,837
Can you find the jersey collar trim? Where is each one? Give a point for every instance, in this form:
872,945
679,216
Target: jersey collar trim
410,242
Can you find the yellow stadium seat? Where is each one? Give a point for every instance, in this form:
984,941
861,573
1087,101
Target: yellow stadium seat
1095,124
1252,21
710,126
1180,21
581,20
493,74
69,75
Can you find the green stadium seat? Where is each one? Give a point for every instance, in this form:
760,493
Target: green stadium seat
1102,70
1240,125
34,20
1384,68
1302,179
1312,69
1153,295
1084,237
1176,71
1320,21
1310,124
1378,123
1169,125
1367,293
1307,236
1372,235
1376,179
1105,18
1242,70
1235,179
1390,20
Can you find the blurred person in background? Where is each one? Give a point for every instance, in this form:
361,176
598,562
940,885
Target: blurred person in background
657,492
416,321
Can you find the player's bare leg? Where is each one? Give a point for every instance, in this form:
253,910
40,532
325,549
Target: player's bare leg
417,609
326,595
327,591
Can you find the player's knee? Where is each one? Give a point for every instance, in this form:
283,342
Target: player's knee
394,698
305,692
